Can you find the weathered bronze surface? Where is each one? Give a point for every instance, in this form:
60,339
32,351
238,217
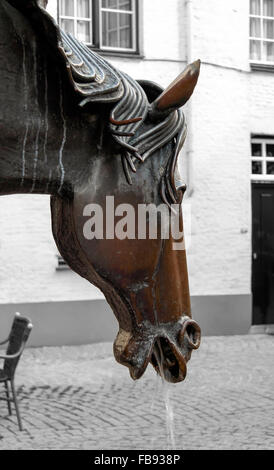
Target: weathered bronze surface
74,127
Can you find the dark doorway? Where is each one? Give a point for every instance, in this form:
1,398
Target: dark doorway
263,253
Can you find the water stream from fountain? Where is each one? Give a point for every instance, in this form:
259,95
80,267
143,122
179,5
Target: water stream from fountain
168,404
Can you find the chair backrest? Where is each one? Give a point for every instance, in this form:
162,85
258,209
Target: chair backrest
19,334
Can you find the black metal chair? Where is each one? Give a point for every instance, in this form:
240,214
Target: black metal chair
19,333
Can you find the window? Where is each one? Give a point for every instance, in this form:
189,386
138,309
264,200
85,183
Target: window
61,264
262,158
75,18
262,31
117,19
104,24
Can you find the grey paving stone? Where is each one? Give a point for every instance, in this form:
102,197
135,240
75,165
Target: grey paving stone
78,397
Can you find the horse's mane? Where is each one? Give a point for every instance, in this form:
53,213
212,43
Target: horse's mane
95,80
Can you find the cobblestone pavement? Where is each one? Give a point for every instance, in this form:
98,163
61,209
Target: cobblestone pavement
79,398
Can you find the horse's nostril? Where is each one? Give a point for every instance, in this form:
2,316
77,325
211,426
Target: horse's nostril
192,332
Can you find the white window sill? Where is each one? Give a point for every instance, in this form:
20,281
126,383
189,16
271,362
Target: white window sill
264,67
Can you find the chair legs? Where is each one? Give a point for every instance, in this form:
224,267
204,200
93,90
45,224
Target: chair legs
14,400
8,396
16,405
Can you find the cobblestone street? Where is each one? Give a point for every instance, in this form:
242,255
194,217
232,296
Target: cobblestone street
80,398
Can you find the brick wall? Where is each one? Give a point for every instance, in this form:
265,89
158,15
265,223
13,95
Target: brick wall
28,255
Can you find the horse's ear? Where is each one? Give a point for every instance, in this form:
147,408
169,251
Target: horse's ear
177,93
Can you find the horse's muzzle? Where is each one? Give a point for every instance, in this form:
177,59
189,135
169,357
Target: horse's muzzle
166,346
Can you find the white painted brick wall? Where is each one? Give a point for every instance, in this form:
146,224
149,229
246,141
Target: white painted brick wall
220,32
229,104
164,29
219,257
261,99
28,255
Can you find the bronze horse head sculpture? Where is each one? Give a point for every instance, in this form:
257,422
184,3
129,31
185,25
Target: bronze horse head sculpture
74,127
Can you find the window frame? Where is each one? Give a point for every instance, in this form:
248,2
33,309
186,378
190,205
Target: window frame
263,158
133,30
96,27
76,18
261,39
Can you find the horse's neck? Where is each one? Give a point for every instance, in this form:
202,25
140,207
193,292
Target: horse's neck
44,140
